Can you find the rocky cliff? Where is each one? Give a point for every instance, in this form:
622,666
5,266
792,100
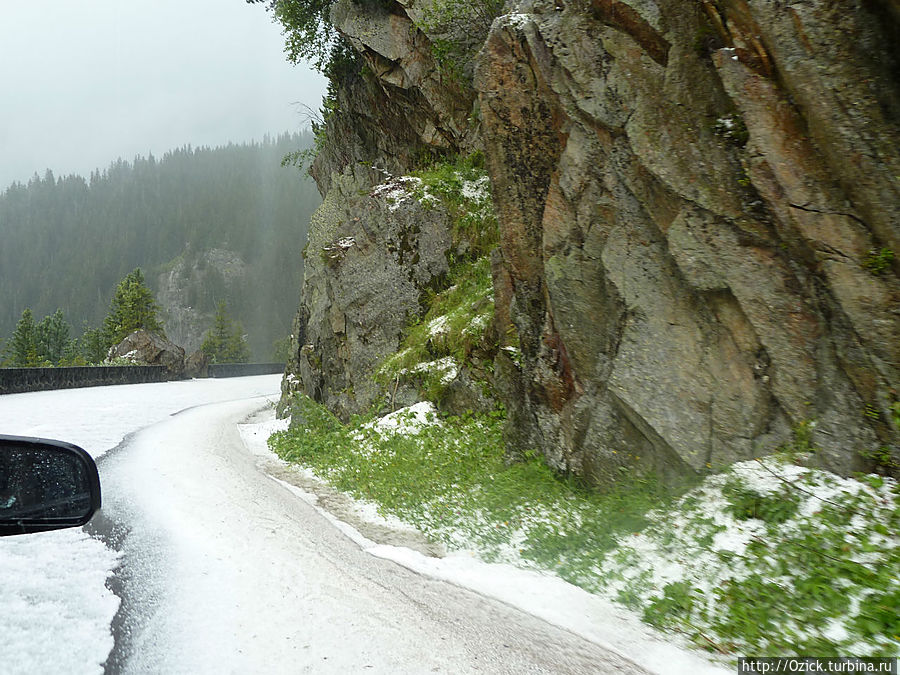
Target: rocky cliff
698,206
371,253
189,288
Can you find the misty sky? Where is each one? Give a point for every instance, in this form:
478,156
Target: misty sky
85,82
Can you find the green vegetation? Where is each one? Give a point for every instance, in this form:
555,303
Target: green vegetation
449,478
308,32
883,459
93,345
48,343
343,64
768,558
745,503
464,189
456,315
303,158
55,343
457,30
41,344
281,349
810,566
225,342
22,350
450,330
878,261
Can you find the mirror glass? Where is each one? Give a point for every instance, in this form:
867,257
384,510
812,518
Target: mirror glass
43,483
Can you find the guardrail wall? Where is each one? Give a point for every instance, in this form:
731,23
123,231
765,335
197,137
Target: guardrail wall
243,369
16,380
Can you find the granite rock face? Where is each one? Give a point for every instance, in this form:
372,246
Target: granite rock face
698,206
689,197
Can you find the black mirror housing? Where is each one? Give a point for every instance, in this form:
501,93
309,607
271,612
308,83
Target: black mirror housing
45,485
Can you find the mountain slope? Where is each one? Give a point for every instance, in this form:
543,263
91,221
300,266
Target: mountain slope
67,241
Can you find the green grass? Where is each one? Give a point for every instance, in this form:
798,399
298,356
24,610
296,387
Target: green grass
810,574
455,316
452,327
464,189
878,261
745,503
452,481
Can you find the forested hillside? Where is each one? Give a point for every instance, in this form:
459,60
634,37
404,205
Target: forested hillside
68,240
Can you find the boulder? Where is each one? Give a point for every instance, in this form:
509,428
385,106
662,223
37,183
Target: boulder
151,349
196,365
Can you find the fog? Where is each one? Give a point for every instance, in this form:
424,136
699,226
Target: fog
84,83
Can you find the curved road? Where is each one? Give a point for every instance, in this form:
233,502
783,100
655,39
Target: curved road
224,570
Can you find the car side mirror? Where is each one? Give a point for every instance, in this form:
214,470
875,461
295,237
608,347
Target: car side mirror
45,485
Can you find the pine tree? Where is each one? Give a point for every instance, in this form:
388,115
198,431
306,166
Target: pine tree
22,349
133,307
143,213
93,345
54,343
225,341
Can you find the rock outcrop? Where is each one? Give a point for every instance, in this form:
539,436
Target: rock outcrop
188,291
396,106
699,210
372,255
